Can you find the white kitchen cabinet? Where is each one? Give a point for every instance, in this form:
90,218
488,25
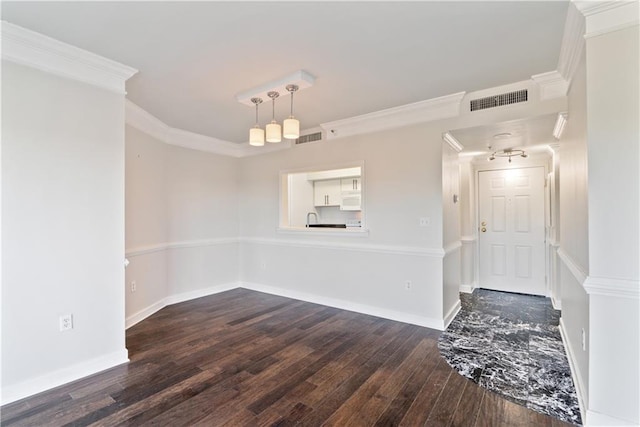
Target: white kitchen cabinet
327,193
350,184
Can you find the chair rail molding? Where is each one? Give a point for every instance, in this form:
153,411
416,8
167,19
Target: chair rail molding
357,247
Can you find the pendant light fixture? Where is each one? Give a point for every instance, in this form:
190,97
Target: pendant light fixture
256,134
291,126
274,131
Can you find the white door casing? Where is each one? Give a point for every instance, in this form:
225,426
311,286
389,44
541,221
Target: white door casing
512,230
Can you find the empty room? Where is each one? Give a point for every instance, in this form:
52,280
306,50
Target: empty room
320,213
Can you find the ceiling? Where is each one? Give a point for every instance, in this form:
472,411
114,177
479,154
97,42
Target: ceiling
532,134
194,57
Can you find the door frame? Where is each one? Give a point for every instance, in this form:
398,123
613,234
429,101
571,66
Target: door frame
534,160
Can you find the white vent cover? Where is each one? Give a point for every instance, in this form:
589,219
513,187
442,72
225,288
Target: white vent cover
309,138
499,100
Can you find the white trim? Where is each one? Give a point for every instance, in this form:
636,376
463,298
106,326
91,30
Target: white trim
552,85
341,232
63,376
381,249
452,313
468,288
44,53
452,247
177,298
140,315
398,316
581,390
573,267
143,250
201,243
612,287
556,303
468,239
199,293
603,17
453,142
572,43
404,115
597,419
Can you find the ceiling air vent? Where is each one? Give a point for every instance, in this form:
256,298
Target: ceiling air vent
309,138
499,100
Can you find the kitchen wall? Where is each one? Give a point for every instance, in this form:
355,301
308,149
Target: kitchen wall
181,219
63,229
403,182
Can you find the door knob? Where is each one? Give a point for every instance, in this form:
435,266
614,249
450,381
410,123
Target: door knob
484,223
484,229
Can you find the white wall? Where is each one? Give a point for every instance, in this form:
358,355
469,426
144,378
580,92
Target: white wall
468,280
403,182
145,219
573,234
451,266
63,229
613,140
182,216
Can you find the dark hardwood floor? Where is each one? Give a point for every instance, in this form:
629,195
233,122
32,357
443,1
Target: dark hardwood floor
247,358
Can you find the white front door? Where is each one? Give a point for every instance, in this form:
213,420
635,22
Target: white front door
511,230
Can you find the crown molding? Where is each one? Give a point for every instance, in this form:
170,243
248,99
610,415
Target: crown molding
142,120
572,43
603,17
417,112
44,53
453,142
552,85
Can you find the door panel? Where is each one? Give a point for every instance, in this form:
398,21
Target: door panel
511,238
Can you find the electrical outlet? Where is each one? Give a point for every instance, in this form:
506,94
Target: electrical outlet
264,265
584,340
134,286
407,285
425,222
66,322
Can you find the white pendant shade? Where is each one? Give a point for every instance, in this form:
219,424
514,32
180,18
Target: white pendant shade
291,128
274,132
256,136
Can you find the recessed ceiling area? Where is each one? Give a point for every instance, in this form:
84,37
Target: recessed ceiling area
194,57
532,134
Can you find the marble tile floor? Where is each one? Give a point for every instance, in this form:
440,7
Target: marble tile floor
511,344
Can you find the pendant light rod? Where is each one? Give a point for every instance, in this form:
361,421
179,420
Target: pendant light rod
291,89
256,101
273,95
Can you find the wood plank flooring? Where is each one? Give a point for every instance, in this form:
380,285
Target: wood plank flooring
247,358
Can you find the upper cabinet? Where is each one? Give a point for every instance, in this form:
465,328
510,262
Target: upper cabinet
327,192
350,184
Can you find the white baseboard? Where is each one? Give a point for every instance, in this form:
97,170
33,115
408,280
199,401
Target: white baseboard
556,303
63,376
144,313
598,419
453,312
468,288
199,293
581,390
174,299
348,305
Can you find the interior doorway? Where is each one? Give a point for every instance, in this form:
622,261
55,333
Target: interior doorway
511,230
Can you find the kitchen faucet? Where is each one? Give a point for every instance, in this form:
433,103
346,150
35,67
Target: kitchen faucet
314,214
